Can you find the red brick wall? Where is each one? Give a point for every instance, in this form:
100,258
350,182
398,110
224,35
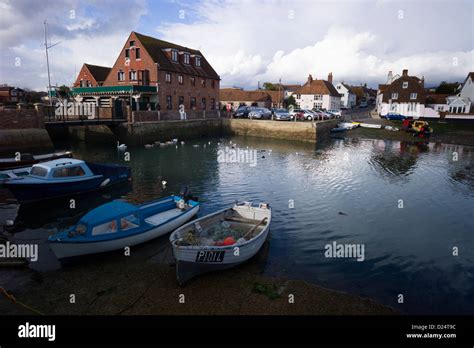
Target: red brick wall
85,75
174,89
144,63
21,119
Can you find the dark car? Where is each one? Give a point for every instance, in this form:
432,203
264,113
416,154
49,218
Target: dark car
243,111
394,116
281,115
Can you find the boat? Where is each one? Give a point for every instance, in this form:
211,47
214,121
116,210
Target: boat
28,159
65,177
370,125
118,224
9,174
347,125
338,130
221,240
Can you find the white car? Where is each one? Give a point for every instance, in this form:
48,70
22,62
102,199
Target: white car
336,113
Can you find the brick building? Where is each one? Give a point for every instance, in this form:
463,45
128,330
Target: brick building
11,94
92,75
151,73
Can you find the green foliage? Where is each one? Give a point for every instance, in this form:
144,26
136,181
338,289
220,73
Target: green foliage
268,86
290,101
447,88
269,290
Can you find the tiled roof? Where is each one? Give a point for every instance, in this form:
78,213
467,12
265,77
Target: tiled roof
233,94
277,96
434,98
99,72
156,47
318,87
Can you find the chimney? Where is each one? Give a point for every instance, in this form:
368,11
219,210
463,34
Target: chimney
330,77
310,78
405,72
365,85
389,77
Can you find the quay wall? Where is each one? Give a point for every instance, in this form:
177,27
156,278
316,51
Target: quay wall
302,131
26,140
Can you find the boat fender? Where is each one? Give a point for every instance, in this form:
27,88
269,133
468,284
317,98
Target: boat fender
105,182
181,204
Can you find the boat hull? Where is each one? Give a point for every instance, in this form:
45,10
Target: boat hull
13,164
66,250
187,258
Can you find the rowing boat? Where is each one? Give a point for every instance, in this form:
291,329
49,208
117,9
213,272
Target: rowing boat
221,240
118,224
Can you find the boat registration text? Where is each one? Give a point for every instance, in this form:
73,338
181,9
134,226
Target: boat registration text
210,256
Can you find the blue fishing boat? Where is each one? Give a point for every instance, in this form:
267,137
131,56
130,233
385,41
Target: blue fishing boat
65,177
118,224
338,130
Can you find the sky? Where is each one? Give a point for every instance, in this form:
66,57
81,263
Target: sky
247,42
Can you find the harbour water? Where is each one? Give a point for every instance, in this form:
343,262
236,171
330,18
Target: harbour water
408,204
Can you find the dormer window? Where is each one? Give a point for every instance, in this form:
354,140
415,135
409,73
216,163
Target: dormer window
198,61
186,58
174,56
405,85
132,43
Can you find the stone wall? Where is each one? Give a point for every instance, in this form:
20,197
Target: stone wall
302,131
18,140
21,118
167,115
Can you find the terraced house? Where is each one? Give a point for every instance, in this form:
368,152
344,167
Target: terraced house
151,74
320,94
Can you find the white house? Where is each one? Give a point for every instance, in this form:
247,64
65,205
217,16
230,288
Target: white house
320,94
348,98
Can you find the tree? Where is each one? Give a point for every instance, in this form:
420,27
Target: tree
447,88
268,86
290,101
63,91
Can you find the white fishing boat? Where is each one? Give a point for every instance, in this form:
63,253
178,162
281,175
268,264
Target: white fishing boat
370,125
220,240
347,125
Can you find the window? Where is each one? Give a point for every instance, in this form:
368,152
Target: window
81,84
413,95
174,55
394,95
168,77
127,53
132,75
405,85
169,102
213,104
137,53
186,58
89,84
38,171
129,222
203,83
180,79
132,43
193,81
68,172
192,103
318,97
181,100
108,227
298,96
198,61
203,103
121,75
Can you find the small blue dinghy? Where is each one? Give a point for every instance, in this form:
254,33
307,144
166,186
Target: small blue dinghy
338,130
65,177
118,224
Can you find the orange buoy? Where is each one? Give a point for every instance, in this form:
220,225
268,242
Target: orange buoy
229,241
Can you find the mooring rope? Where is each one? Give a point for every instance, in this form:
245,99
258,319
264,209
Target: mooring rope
14,300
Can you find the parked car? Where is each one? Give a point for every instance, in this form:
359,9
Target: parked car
303,114
324,115
260,113
243,111
336,113
281,115
297,113
363,104
394,116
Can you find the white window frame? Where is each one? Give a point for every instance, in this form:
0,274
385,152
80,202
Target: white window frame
405,85
198,60
186,58
413,96
395,96
168,77
180,79
174,55
121,75
133,75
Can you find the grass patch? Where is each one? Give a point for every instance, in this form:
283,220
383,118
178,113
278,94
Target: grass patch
269,290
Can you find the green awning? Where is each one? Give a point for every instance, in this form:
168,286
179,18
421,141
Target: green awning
105,90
